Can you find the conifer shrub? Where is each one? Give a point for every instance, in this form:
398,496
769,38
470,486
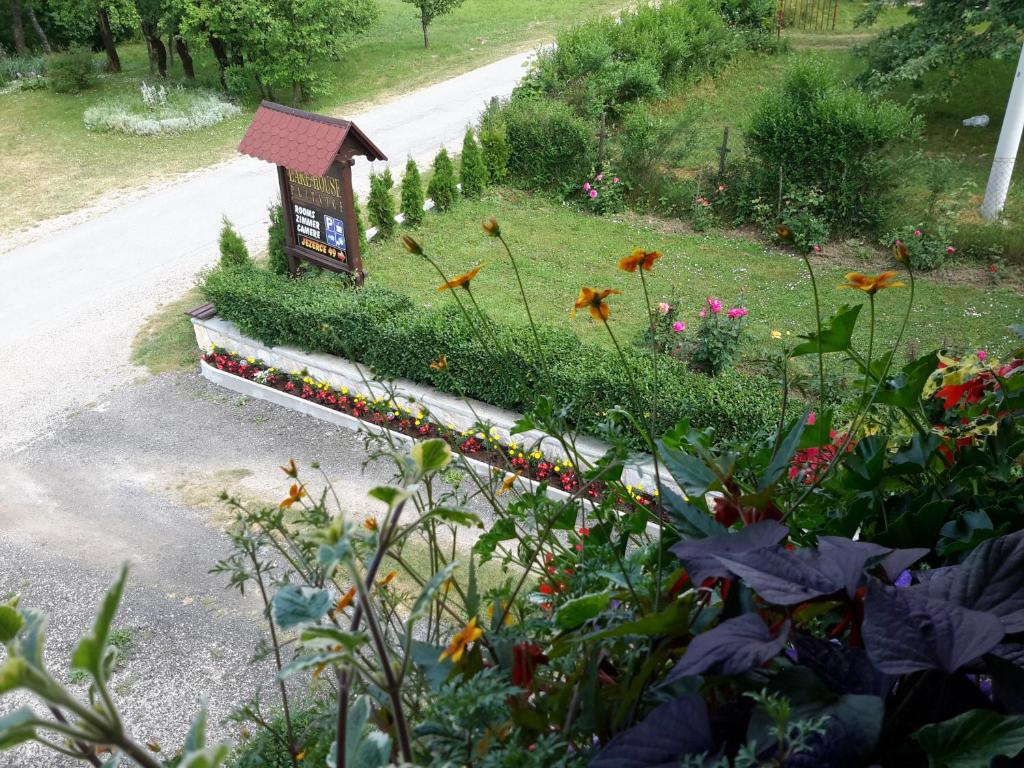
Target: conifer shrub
233,251
412,194
277,259
472,171
381,205
442,188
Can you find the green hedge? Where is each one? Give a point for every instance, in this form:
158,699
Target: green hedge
388,332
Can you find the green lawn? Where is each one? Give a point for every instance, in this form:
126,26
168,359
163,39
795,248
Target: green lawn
559,250
51,165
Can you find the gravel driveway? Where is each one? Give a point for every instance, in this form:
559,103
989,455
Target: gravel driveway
136,478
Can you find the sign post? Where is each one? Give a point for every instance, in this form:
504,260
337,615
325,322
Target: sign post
314,157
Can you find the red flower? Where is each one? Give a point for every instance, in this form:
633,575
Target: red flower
526,658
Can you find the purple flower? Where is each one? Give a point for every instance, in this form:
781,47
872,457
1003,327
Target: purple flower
903,580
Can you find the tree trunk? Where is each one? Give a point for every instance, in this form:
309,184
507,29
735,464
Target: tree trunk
186,58
18,28
150,53
425,22
161,55
113,62
170,50
40,33
221,54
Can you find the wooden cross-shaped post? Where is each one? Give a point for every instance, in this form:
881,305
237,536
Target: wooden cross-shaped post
723,151
602,136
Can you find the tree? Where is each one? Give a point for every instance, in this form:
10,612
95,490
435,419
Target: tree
233,251
430,10
442,188
472,171
412,194
150,15
941,34
18,28
381,206
38,29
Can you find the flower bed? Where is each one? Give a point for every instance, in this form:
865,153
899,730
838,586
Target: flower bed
160,111
481,444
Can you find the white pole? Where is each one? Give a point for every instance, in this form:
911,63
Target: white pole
1006,149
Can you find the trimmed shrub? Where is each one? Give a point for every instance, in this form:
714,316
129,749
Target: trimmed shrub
381,205
412,194
388,332
71,71
357,209
549,145
828,136
472,171
442,188
277,259
233,251
495,149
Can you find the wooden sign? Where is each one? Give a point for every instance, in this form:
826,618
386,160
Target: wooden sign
314,157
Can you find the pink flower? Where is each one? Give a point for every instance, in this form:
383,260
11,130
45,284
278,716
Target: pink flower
982,354
600,177
678,327
917,233
721,187
702,314
615,180
664,308
586,187
736,312
715,304
817,248
811,418
993,268
950,250
593,194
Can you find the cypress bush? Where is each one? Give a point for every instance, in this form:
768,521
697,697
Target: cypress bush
495,151
442,188
232,246
550,146
357,209
381,205
277,260
472,171
412,194
377,327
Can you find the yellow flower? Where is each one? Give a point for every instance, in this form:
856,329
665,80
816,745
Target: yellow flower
776,334
872,284
457,647
593,300
501,607
462,281
491,227
639,258
295,493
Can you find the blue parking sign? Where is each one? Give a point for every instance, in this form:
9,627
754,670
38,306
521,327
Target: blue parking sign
335,232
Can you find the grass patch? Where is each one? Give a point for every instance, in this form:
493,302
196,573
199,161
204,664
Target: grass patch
166,342
559,250
38,182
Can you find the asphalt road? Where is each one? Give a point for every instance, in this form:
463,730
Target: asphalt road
72,299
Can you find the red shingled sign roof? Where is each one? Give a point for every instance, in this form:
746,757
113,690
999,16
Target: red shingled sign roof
301,140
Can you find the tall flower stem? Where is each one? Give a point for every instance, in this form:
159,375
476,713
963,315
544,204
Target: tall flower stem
529,314
817,322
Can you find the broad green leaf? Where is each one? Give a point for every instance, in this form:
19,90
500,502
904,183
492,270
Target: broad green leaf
918,453
428,658
374,751
88,655
329,555
211,757
355,723
326,637
391,495
574,612
781,458
691,522
17,727
692,474
503,530
429,592
11,623
820,432
196,738
972,740
312,661
431,455
904,389
668,621
836,333
31,639
293,605
456,516
114,761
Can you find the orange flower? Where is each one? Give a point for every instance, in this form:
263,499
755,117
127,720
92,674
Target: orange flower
295,493
345,600
785,233
411,245
462,281
457,647
899,250
440,364
387,579
491,227
593,300
507,483
639,258
370,524
290,469
872,284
